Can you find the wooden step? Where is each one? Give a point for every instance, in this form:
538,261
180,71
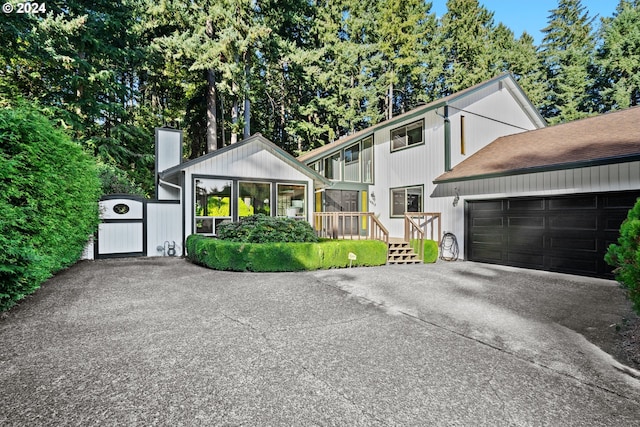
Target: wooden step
402,253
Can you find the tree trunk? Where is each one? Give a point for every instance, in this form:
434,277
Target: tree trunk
212,116
247,103
212,125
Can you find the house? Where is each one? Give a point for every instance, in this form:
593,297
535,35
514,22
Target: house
389,168
194,197
550,199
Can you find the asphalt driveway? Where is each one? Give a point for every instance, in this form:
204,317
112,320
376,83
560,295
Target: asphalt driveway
164,342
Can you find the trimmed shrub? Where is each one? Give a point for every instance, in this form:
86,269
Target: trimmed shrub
293,256
430,250
49,192
266,229
625,255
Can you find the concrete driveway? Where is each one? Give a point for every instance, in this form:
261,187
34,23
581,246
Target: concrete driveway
164,342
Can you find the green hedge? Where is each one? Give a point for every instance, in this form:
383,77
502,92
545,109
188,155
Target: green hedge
430,250
49,192
625,255
225,255
266,229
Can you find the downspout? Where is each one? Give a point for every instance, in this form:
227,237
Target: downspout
447,140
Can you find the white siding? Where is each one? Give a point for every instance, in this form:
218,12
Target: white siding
163,225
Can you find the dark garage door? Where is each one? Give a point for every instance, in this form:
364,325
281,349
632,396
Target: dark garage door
567,234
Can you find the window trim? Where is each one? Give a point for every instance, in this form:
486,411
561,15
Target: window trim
338,168
405,126
405,188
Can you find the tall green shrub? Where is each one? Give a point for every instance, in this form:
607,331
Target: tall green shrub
49,193
625,255
266,229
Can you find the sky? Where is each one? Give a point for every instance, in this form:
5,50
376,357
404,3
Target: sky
531,15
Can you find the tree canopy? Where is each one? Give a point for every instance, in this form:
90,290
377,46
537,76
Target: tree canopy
301,72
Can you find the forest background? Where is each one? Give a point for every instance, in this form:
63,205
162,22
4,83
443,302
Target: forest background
301,72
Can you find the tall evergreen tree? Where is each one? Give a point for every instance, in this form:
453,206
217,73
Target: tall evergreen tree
618,57
567,50
466,35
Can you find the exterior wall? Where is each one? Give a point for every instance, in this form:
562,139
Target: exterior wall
595,179
164,226
420,165
250,161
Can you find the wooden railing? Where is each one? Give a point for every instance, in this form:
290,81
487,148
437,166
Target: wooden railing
428,222
414,235
349,225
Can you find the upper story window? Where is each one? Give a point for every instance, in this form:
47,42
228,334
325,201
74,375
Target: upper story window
332,167
408,135
352,163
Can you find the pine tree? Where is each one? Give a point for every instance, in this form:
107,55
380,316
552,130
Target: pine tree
567,50
466,37
619,58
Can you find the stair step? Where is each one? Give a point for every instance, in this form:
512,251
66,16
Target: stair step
402,253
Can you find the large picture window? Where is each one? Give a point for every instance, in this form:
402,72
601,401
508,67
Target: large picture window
406,136
407,199
254,198
292,200
212,204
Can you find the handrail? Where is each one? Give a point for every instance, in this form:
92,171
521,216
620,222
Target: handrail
350,225
412,231
427,226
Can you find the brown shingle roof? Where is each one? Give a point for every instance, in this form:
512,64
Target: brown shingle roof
610,136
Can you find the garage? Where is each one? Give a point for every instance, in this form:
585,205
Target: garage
568,234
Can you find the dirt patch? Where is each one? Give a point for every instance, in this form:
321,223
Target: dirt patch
628,345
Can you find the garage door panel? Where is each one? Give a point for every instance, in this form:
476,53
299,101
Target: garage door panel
573,203
492,205
584,244
573,265
618,201
524,259
532,241
487,238
526,221
525,205
491,222
487,253
574,222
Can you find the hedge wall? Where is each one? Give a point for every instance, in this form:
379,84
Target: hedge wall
49,193
225,255
431,250
625,255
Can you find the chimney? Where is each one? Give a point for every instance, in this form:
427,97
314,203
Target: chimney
168,154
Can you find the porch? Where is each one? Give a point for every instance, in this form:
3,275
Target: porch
407,249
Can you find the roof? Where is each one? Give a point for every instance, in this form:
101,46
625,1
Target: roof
506,77
255,138
609,138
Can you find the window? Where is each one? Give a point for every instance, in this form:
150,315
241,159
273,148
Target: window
332,167
407,136
408,199
292,200
212,204
366,159
254,198
352,163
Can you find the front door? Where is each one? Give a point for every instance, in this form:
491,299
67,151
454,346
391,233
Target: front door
343,201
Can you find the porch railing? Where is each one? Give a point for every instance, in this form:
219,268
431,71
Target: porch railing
349,225
428,222
414,235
